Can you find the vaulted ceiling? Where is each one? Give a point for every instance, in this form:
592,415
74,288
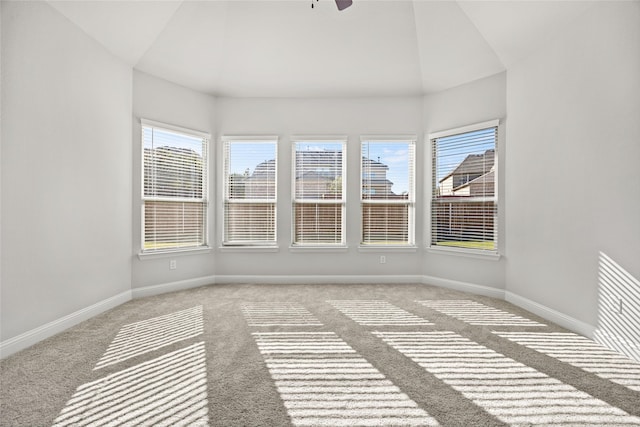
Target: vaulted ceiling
289,49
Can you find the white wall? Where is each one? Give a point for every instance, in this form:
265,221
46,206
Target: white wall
351,117
573,162
66,169
158,100
475,102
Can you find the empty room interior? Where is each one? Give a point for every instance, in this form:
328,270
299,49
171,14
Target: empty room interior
320,213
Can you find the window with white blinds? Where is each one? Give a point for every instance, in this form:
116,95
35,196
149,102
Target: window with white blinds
388,191
319,197
464,183
250,187
174,188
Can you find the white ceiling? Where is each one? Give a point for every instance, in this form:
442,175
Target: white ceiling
286,48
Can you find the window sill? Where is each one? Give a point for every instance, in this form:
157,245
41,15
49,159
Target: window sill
387,248
490,256
318,248
173,253
249,248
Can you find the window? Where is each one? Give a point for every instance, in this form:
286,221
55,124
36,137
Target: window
387,194
174,193
464,178
250,183
319,200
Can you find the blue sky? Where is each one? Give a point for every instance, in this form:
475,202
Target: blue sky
245,156
396,156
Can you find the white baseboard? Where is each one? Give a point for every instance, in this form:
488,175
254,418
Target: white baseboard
625,345
545,312
300,279
164,288
29,338
463,286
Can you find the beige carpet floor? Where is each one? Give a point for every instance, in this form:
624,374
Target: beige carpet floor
318,355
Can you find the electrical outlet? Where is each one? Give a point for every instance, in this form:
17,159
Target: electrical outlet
173,264
383,259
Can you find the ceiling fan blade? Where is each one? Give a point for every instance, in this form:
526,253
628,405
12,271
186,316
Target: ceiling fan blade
343,4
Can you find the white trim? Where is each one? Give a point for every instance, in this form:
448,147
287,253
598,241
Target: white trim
173,128
387,248
38,334
464,286
163,288
249,138
173,252
429,193
226,142
410,201
389,138
249,248
551,314
469,253
617,343
343,141
206,156
318,279
464,129
29,338
319,138
317,248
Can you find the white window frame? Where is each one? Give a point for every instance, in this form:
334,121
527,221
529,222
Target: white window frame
257,244
206,138
333,139
468,252
410,201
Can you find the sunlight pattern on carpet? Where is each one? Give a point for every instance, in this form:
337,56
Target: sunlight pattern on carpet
582,353
509,390
148,335
324,382
278,314
170,390
377,313
475,313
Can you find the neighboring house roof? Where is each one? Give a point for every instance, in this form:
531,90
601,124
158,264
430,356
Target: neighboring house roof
488,177
474,164
373,163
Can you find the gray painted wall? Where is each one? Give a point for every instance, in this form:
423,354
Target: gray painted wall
476,102
158,100
573,182
66,169
350,117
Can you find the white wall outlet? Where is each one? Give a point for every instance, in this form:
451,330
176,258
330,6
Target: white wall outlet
383,259
173,264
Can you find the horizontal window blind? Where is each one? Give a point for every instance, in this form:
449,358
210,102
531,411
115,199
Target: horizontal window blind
250,186
387,192
318,206
318,223
464,202
174,195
